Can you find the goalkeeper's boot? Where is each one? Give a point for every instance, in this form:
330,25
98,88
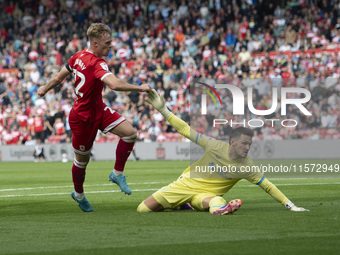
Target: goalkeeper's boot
120,181
186,206
83,203
229,208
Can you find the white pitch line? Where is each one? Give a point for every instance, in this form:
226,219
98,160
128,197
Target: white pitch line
59,194
71,186
137,190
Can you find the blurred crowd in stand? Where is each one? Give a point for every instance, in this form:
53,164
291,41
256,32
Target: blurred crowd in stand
171,45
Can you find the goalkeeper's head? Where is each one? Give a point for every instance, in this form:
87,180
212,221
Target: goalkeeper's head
240,141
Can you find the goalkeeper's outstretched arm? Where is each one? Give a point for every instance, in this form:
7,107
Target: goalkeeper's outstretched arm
181,126
275,193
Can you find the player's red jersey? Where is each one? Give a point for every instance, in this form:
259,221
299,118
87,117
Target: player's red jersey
89,72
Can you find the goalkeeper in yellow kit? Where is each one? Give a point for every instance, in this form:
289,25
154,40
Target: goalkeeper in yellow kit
204,189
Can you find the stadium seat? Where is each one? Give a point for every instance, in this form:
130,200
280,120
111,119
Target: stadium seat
169,136
323,133
336,136
53,139
331,131
176,137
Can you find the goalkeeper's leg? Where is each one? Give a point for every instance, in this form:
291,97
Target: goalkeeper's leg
150,205
167,197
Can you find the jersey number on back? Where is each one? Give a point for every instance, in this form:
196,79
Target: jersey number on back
81,83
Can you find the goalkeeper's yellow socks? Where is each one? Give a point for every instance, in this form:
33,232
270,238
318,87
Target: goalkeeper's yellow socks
216,203
143,208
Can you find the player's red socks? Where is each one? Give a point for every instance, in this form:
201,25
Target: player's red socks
123,151
78,175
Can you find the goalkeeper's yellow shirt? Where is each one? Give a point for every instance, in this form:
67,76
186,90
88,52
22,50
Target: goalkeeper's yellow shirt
199,176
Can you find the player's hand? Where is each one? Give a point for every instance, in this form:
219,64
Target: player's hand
145,87
155,100
41,91
298,209
158,103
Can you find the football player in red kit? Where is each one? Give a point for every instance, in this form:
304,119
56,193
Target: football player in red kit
89,113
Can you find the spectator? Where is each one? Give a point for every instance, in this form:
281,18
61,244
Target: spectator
230,38
59,130
30,141
290,36
35,42
244,55
37,127
38,152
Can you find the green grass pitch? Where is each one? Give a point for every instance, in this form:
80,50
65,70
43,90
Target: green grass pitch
38,216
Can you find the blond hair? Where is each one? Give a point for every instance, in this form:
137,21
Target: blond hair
97,30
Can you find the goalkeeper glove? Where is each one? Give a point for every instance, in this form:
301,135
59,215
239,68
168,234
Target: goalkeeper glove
290,206
157,102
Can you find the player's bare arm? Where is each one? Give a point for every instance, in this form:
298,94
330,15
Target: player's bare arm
54,82
118,84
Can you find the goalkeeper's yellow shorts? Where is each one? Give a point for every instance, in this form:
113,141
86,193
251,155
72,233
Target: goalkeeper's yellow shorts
176,194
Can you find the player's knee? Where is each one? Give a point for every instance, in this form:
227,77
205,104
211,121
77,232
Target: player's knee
142,208
83,158
131,138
